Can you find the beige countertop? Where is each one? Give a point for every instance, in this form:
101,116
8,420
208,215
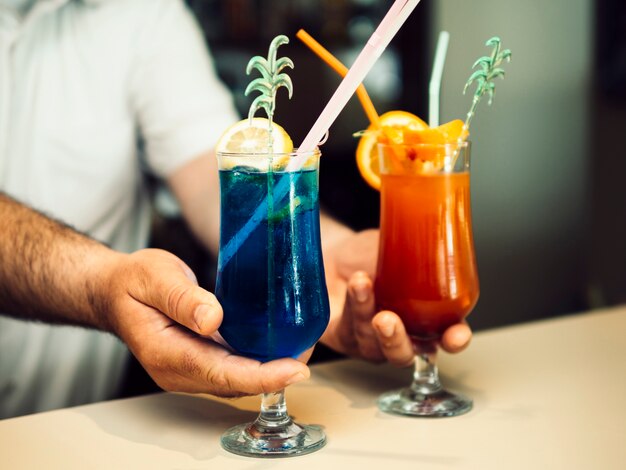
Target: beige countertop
547,395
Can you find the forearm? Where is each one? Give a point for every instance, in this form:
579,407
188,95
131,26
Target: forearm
196,187
48,271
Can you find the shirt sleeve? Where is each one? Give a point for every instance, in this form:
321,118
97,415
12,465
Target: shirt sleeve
182,108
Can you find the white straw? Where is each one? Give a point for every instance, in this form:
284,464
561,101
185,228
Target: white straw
434,88
377,43
400,19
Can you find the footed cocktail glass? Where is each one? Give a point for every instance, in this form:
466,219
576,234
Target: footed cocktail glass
426,269
272,288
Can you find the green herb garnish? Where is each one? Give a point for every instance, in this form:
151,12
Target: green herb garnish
271,78
484,78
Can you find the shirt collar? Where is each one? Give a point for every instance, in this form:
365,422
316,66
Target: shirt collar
12,24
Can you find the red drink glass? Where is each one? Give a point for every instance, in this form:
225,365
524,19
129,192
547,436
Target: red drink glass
426,269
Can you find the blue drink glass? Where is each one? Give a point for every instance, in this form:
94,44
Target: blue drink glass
272,288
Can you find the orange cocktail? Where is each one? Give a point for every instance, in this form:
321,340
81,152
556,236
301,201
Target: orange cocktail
426,267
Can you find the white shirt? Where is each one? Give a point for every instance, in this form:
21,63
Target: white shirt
19,7
81,83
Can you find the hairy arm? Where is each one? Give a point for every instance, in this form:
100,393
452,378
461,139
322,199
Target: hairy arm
150,299
47,269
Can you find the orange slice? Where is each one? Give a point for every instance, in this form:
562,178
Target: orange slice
394,125
430,155
447,133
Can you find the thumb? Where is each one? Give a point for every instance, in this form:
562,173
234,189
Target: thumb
168,285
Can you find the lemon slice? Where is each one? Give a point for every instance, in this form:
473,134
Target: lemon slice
393,124
247,137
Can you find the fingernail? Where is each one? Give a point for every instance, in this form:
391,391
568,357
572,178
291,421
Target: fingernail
190,274
200,314
295,378
361,292
387,330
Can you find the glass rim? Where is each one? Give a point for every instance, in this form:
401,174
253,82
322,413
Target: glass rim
291,154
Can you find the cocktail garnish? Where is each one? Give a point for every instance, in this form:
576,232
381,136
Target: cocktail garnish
261,135
272,78
246,137
484,78
391,125
400,134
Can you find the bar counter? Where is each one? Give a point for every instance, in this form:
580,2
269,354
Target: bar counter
547,395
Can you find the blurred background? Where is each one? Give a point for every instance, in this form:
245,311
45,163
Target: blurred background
549,166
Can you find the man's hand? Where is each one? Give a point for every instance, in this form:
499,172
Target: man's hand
150,299
154,304
356,327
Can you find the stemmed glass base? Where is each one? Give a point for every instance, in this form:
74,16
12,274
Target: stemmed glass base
249,440
273,433
425,397
408,402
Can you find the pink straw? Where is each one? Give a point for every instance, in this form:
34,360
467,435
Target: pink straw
380,39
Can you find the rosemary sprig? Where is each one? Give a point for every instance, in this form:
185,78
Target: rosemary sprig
272,78
484,78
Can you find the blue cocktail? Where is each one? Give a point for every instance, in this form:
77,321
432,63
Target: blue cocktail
272,289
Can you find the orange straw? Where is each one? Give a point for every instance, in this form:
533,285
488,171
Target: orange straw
342,70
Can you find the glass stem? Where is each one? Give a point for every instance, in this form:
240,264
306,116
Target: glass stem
426,375
273,411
